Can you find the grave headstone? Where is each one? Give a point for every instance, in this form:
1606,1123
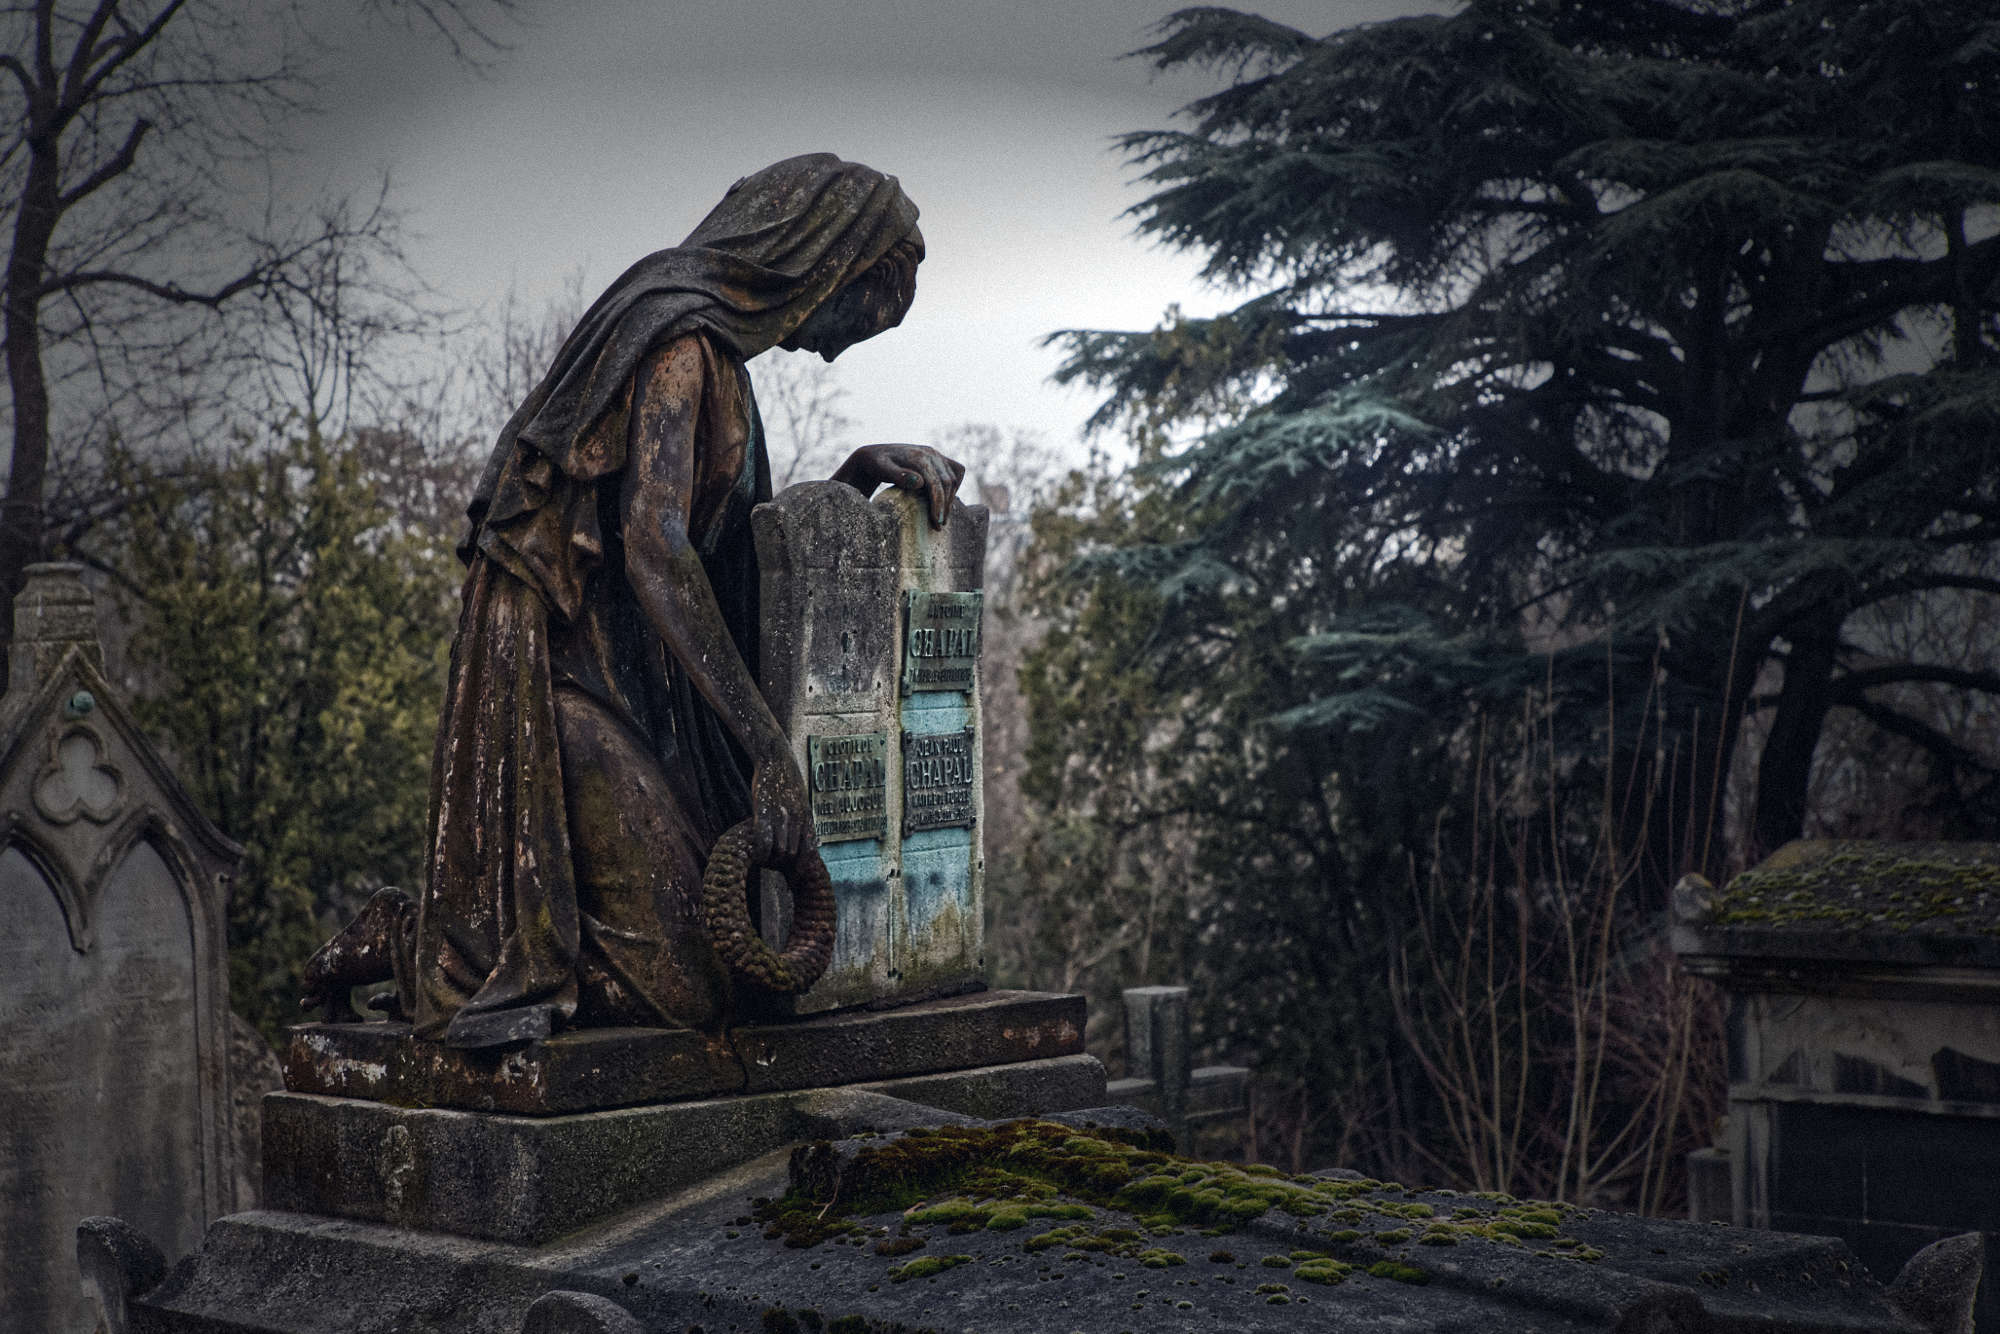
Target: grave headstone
870,660
114,1019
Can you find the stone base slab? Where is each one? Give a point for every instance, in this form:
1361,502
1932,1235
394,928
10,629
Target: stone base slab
598,1069
528,1179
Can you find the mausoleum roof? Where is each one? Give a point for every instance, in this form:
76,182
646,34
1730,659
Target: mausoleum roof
1858,885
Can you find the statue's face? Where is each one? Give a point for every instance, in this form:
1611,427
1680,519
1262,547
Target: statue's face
853,314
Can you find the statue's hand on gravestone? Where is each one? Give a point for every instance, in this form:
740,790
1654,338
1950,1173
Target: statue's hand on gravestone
916,468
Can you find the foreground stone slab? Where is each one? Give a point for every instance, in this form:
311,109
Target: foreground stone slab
533,1178
718,1257
598,1069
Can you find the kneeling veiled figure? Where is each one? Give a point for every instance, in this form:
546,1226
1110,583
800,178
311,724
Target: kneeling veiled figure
602,727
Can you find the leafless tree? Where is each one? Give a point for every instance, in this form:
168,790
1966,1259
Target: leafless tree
135,290
805,432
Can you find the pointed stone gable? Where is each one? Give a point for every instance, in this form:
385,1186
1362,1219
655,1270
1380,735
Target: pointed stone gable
114,1008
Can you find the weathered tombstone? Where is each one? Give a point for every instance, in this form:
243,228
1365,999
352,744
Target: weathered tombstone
114,1019
1863,1041
870,660
1206,1108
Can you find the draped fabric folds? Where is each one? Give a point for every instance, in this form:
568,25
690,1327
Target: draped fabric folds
548,615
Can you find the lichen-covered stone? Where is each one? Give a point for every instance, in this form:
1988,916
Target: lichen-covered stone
1038,1228
1935,888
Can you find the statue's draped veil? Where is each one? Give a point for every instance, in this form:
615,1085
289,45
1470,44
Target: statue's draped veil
780,243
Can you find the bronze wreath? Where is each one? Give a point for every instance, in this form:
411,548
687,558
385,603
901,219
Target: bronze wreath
725,908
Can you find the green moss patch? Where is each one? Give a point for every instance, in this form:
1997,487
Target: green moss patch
1023,1175
1932,888
927,1266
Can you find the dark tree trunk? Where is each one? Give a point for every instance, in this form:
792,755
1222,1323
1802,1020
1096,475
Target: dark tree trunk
1785,770
23,520
1687,763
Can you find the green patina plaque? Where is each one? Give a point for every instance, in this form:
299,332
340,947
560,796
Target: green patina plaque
938,773
848,781
940,640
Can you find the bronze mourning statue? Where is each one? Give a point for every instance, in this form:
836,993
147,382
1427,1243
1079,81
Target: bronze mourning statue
602,728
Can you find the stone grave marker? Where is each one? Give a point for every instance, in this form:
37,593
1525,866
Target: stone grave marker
114,1019
870,659
1206,1108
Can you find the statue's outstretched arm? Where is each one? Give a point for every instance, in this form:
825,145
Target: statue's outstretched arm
673,591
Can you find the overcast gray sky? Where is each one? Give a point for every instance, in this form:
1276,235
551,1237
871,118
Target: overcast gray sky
614,125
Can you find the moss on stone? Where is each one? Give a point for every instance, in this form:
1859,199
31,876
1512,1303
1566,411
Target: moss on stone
927,1266
1930,888
999,1178
1325,1270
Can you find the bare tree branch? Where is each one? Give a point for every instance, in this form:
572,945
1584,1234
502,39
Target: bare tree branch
112,168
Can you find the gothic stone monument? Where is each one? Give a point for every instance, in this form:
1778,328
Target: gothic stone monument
114,1021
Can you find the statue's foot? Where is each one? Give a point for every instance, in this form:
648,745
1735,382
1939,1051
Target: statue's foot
362,953
471,1029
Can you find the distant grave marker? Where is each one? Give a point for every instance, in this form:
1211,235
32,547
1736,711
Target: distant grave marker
114,1070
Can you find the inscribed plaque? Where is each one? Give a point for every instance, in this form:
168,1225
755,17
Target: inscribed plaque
849,781
938,773
940,640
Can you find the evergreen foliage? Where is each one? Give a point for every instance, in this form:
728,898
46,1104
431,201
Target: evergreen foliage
293,631
1629,359
1662,325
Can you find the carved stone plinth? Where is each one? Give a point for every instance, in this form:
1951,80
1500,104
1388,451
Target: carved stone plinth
595,1069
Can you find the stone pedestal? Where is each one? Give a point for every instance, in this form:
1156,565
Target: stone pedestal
530,1179
602,1068
527,1144
1864,1041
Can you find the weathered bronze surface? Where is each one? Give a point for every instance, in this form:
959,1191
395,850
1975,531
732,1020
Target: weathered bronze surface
603,727
849,780
940,640
938,772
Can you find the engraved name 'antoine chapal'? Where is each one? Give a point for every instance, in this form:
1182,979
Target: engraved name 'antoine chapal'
849,778
940,640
